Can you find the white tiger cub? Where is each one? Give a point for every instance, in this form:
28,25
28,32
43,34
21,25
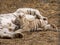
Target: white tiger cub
26,23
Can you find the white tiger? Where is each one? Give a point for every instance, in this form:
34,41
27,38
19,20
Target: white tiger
25,22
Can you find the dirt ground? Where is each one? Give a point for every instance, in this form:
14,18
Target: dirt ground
48,8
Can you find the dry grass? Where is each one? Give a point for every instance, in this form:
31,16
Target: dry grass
48,8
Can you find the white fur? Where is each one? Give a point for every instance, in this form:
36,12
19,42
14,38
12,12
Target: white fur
6,32
6,20
6,24
30,11
30,17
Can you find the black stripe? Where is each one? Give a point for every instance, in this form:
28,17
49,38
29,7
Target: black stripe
30,12
34,13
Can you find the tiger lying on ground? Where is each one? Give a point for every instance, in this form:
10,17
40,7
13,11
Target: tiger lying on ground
12,24
26,24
